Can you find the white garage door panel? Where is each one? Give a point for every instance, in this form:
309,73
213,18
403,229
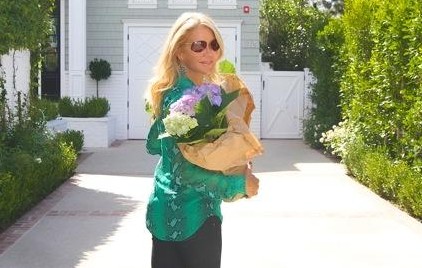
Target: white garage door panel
144,48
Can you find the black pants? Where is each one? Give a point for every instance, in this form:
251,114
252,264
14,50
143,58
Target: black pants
202,250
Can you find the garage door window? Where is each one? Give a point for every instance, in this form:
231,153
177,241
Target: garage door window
142,3
222,4
183,4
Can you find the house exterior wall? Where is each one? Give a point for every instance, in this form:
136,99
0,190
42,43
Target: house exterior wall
15,69
105,28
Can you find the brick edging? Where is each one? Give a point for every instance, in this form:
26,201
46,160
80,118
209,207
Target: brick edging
9,236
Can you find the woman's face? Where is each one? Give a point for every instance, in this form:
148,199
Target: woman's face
202,62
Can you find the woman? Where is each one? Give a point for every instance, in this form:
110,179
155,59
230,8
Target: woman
183,213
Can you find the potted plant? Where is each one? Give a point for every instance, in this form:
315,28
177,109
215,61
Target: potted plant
99,70
90,117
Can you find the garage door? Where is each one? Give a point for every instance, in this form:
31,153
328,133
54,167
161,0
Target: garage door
144,48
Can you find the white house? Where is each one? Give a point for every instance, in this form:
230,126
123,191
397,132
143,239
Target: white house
129,35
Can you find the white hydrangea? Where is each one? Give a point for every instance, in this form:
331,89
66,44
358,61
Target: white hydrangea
178,124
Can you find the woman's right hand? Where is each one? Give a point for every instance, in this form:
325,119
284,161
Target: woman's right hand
252,182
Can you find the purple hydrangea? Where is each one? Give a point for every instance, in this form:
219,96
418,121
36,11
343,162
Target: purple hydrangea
186,104
212,91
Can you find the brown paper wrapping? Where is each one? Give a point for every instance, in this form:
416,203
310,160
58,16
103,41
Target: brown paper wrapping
231,152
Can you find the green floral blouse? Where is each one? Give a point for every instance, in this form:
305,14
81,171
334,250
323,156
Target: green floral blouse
184,194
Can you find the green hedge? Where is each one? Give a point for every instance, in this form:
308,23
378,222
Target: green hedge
30,171
325,95
393,180
381,88
380,74
90,107
33,162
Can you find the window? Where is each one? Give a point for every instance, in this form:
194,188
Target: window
222,4
142,4
190,4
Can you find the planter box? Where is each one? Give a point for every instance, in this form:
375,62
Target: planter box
98,132
57,125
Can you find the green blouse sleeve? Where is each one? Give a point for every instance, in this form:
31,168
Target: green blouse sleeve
225,186
153,144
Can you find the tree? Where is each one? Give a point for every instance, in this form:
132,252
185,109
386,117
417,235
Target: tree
100,70
288,30
335,7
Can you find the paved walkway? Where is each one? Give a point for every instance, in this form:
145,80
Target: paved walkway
309,214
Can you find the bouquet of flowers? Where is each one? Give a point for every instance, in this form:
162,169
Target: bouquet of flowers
199,115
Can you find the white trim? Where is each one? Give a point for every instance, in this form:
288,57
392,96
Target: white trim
62,46
77,48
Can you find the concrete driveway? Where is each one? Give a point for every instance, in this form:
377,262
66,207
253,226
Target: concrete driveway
309,213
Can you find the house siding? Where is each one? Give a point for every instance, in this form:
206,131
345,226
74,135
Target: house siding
105,28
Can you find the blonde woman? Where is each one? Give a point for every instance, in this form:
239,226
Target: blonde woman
183,213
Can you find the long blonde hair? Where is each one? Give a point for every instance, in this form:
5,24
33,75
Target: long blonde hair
166,70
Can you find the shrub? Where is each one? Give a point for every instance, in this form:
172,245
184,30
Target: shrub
90,107
393,180
27,177
325,95
97,107
43,110
409,195
74,138
32,163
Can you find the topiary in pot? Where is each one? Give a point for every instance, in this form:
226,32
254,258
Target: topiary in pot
99,70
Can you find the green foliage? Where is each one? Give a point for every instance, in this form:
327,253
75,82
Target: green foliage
381,88
74,138
23,24
26,177
32,164
288,29
90,107
334,7
99,69
226,67
211,119
393,180
43,110
325,96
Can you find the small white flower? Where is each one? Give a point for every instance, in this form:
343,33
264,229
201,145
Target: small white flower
38,160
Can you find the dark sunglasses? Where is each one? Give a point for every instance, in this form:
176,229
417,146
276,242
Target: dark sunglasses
199,46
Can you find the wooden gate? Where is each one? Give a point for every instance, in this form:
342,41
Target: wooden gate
282,105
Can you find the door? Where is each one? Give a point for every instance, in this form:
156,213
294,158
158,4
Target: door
50,73
144,48
282,105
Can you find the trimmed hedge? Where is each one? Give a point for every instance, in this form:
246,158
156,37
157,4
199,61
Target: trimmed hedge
393,180
28,173
90,107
